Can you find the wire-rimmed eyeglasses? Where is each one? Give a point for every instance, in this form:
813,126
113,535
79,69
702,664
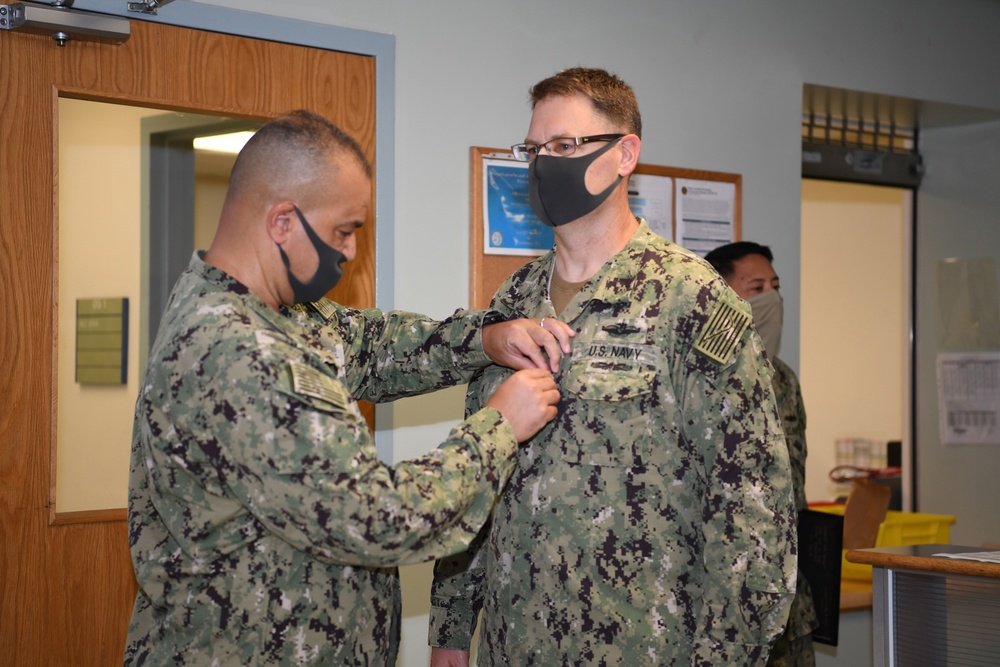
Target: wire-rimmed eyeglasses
560,146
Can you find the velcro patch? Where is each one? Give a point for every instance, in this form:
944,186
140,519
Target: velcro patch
723,330
324,307
308,381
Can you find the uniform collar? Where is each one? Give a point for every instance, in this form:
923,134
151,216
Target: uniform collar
217,276
226,283
612,285
606,289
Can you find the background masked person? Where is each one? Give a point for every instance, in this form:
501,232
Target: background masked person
748,268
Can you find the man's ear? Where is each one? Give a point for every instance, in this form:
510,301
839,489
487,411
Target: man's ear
630,146
281,220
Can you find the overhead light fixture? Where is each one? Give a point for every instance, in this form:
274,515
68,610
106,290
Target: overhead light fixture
63,23
223,143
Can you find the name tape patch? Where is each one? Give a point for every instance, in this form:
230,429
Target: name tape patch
721,333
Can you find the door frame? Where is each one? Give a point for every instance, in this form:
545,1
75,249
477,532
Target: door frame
169,205
379,46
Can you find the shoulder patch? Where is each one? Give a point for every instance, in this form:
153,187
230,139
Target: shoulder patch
324,308
308,381
722,331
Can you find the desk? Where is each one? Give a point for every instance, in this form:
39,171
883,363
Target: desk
930,610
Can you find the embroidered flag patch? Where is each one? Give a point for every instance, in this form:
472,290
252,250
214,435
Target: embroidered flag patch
325,309
308,381
721,333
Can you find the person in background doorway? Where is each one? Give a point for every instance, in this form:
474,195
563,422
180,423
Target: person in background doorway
263,528
748,268
652,522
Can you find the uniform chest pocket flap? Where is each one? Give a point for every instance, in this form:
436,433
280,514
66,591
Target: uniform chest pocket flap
607,395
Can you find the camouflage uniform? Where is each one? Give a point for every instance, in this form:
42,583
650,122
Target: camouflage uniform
795,648
652,522
263,528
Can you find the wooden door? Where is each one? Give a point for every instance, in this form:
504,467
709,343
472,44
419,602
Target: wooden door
67,588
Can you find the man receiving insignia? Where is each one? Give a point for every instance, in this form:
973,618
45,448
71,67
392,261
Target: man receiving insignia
263,527
652,521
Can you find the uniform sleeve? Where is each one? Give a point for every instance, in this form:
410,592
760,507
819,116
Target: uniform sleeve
397,354
749,534
295,450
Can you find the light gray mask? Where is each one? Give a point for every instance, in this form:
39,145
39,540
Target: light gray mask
768,316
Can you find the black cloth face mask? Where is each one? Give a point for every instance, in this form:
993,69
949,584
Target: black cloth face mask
557,187
328,273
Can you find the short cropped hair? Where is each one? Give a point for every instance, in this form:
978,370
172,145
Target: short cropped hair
722,258
294,146
611,96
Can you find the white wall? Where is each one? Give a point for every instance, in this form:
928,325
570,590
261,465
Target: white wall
720,86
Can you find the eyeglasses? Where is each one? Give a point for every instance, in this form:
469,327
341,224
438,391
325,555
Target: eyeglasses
560,146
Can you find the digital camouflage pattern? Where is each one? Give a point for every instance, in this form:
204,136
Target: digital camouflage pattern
792,409
263,527
652,522
795,647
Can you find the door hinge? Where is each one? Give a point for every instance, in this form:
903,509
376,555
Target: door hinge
147,6
64,23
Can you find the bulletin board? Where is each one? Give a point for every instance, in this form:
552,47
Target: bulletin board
695,208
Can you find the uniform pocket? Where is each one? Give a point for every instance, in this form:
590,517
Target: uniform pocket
607,393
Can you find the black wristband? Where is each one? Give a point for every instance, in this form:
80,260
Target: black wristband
494,317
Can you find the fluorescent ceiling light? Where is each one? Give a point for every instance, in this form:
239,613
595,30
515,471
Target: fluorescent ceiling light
223,143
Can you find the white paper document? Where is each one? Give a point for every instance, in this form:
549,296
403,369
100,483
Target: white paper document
651,197
706,214
969,398
981,556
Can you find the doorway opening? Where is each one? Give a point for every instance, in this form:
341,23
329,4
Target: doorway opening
854,328
861,166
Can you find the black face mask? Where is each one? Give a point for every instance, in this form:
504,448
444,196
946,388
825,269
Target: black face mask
557,187
328,273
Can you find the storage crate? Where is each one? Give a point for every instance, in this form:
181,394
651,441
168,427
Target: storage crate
899,529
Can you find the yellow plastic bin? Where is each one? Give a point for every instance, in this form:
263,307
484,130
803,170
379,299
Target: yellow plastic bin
899,529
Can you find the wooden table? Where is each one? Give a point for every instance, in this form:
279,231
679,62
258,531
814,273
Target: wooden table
932,610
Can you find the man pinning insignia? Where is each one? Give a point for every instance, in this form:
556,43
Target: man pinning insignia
263,528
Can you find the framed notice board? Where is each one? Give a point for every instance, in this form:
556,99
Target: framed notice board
697,209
